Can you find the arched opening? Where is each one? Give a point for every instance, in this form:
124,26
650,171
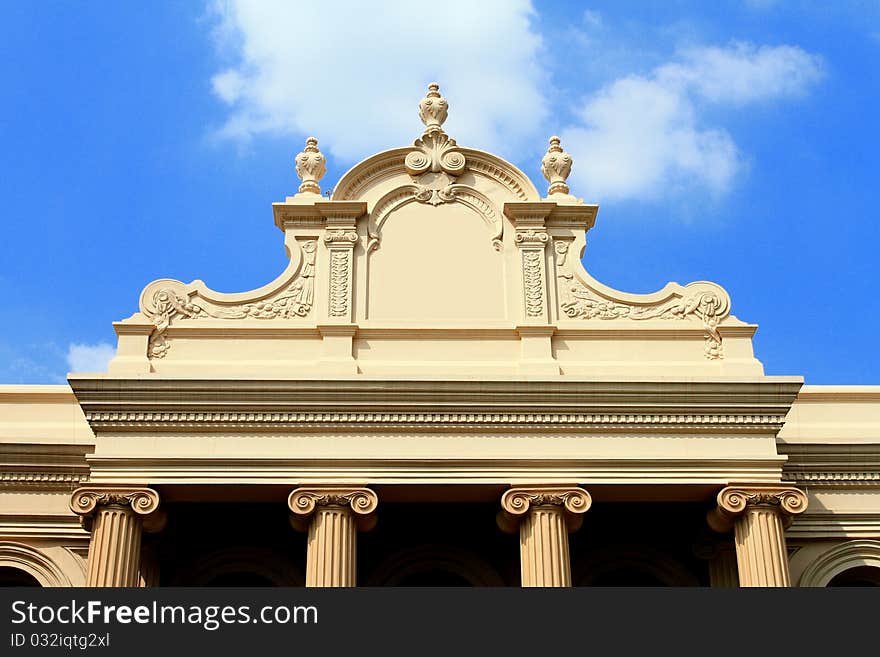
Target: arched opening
627,577
244,578
434,577
16,577
858,576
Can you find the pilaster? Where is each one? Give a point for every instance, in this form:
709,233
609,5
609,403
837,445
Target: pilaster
334,515
545,515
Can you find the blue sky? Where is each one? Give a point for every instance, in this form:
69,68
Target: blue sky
736,142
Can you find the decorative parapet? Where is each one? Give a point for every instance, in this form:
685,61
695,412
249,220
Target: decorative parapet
168,301
583,298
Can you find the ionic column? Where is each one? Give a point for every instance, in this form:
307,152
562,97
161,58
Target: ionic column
114,515
545,515
759,515
334,515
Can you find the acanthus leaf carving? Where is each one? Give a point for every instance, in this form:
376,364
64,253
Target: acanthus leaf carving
702,300
166,301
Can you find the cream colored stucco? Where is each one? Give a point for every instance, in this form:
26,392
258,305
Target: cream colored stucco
435,326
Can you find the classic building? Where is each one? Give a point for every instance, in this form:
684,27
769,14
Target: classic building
435,392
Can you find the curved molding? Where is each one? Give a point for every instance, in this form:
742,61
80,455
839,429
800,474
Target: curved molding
426,558
581,297
34,562
391,163
406,194
289,296
269,564
641,558
839,559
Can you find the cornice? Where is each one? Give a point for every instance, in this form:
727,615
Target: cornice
833,465
174,404
343,421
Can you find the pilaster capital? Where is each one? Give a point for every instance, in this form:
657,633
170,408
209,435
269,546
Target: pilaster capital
303,502
516,502
735,500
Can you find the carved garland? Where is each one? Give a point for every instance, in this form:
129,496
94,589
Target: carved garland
167,300
705,301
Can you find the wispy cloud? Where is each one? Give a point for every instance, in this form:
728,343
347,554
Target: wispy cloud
89,357
645,136
352,72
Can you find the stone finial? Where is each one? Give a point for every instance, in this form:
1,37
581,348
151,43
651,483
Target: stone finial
556,165
433,109
311,165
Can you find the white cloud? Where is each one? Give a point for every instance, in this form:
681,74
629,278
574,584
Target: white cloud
89,357
643,136
352,73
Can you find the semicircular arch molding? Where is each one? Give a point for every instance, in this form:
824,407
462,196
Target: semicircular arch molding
34,562
839,559
456,561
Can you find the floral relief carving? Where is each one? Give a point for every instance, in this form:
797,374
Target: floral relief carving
340,264
533,282
166,301
703,301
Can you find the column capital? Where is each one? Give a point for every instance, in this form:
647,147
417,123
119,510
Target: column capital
141,500
733,501
304,501
516,502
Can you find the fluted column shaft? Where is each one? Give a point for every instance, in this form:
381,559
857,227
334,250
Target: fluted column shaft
543,544
544,517
723,571
115,517
758,514
332,551
115,548
334,516
761,556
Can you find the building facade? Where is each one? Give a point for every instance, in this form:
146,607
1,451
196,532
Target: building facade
435,392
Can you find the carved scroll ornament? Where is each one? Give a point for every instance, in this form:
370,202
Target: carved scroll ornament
704,301
143,501
167,300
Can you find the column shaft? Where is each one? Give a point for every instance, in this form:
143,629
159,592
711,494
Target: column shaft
332,558
723,570
544,556
115,548
760,548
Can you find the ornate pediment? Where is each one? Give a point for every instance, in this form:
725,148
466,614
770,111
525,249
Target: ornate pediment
435,259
